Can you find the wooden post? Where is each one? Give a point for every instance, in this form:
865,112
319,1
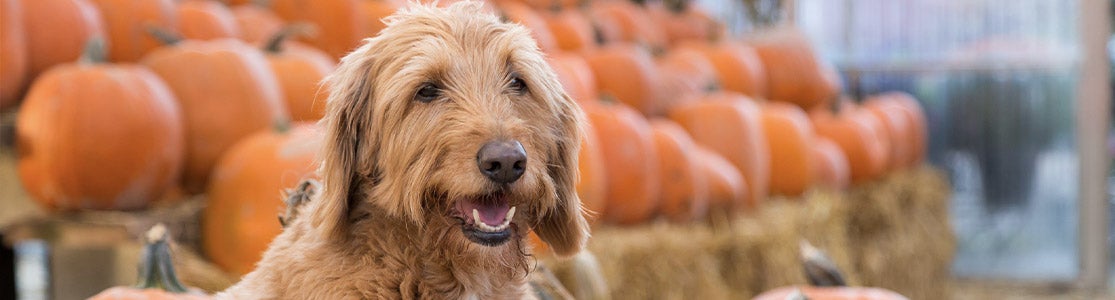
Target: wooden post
1093,112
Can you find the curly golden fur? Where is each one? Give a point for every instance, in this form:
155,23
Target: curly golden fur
396,167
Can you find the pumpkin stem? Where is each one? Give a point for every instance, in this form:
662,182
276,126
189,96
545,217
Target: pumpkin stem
275,43
164,36
156,268
819,269
282,125
713,87
94,52
608,99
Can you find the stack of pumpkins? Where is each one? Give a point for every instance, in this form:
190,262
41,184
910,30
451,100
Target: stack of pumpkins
197,94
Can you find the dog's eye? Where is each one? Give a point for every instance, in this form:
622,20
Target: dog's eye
518,85
428,92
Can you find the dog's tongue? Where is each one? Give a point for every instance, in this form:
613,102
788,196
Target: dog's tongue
491,212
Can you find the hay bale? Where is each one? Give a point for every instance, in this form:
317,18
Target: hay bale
658,261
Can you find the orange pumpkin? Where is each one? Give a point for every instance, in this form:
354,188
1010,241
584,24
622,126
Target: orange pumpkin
738,67
731,125
686,23
539,248
73,124
244,196
726,186
128,21
46,44
592,187
300,70
794,73
571,29
790,142
374,11
686,76
226,91
832,166
631,163
206,20
575,76
627,73
684,189
830,293
529,18
635,24
919,128
857,132
256,23
157,279
341,24
896,128
13,52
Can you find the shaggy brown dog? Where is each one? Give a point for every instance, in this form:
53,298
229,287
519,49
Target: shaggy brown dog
448,139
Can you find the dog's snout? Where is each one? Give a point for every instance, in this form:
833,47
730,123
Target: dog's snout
502,161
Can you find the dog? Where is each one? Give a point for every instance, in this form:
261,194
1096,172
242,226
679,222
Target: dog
447,140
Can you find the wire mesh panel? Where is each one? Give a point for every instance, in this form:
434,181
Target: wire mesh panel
997,79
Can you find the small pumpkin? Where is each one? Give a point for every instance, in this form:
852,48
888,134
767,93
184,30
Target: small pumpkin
257,23
684,189
206,20
226,91
857,132
374,11
341,24
727,190
731,125
299,69
575,75
157,279
70,130
738,66
127,23
825,282
794,72
539,30
47,45
832,166
790,142
571,29
631,162
592,187
627,72
238,222
13,52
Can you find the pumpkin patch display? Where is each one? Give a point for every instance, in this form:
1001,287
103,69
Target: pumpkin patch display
896,127
575,76
256,23
46,45
128,24
794,73
572,30
226,91
789,137
239,220
684,189
206,20
727,190
919,128
70,132
630,161
686,76
341,24
634,23
857,132
299,70
157,278
832,166
592,187
738,66
627,73
13,52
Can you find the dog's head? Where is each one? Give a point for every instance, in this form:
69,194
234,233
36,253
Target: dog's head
452,115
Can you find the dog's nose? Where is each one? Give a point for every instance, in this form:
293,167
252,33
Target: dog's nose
502,161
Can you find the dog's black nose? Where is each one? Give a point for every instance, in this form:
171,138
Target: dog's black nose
502,161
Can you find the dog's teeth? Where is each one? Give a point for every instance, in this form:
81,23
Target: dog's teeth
485,227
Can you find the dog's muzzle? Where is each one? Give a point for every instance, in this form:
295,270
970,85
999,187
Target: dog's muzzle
502,161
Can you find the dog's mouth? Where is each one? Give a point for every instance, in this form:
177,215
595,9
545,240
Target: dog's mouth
487,219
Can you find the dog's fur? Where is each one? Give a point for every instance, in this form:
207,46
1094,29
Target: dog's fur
385,226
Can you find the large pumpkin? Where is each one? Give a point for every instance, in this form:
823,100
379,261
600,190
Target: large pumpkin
13,52
684,189
257,23
627,72
919,128
727,189
686,76
341,24
206,20
157,279
829,293
300,70
128,23
374,11
857,132
99,136
593,185
738,66
832,166
627,143
57,31
575,76
731,124
226,91
539,30
571,29
790,142
246,191
794,72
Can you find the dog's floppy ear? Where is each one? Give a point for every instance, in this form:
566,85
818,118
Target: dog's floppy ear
564,227
345,155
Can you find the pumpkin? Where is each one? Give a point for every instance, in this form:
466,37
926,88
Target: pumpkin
635,24
627,73
575,76
829,293
46,44
686,75
731,125
896,129
738,67
70,134
790,143
832,166
374,11
919,128
592,187
539,248
549,4
256,23
726,186
630,161
226,91
13,52
684,22
794,73
128,22
857,132
206,20
571,29
300,70
238,222
529,18
157,279
684,190
341,24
